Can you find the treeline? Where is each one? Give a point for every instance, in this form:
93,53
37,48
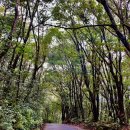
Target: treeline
90,76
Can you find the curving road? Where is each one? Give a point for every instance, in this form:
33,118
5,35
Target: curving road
60,127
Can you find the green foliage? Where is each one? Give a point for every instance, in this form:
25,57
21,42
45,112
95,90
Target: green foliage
57,14
6,118
19,117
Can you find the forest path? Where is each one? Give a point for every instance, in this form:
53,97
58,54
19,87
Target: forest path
52,126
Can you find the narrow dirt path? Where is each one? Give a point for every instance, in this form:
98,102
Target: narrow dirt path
60,127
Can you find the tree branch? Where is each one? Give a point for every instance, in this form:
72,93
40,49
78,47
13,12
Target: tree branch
80,27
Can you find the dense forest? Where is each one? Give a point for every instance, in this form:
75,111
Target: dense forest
64,61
